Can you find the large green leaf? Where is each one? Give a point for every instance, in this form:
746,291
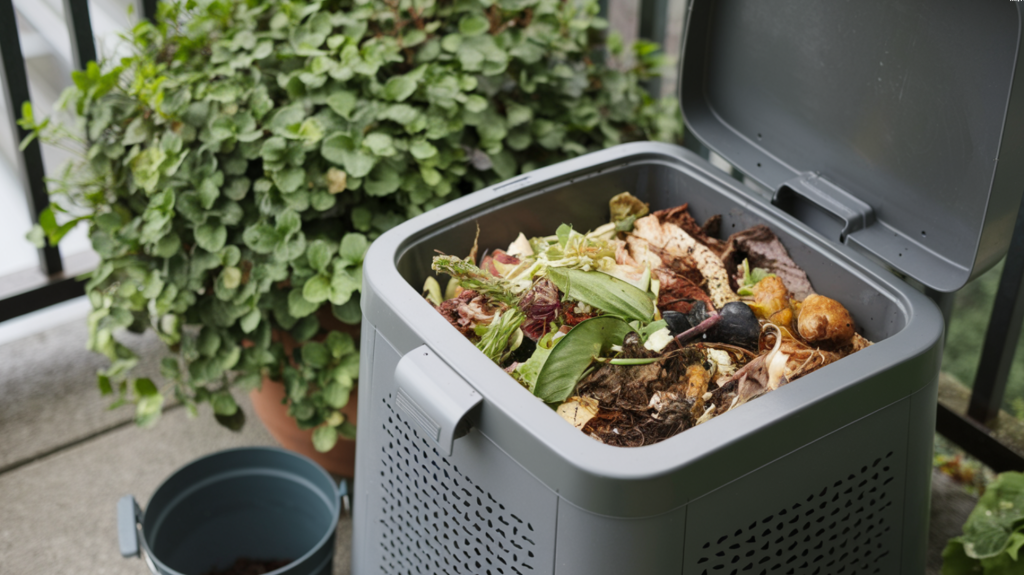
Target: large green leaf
599,290
956,562
573,354
989,527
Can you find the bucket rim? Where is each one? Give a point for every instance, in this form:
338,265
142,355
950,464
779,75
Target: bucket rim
158,567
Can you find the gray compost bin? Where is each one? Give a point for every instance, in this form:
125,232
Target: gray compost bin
877,127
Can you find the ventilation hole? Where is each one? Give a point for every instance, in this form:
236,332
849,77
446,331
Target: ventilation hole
416,484
801,549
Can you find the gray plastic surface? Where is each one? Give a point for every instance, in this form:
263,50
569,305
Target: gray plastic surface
257,503
576,494
432,396
914,108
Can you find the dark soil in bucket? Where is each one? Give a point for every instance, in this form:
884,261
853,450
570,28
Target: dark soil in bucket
246,566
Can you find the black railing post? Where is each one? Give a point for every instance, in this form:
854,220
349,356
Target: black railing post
1003,333
83,46
147,8
30,161
653,20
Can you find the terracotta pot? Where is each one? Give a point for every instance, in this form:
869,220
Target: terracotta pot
267,403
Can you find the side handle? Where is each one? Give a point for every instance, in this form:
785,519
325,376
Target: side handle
128,516
433,398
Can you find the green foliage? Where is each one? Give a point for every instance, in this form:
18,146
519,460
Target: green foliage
993,534
236,166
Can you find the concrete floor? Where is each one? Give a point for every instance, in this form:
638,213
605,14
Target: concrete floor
65,459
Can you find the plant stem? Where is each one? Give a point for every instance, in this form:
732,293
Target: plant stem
698,329
628,360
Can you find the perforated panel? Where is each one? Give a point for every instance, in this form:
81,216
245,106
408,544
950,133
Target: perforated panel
436,520
838,529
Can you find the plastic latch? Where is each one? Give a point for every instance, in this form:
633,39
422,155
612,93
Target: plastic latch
432,397
128,516
825,207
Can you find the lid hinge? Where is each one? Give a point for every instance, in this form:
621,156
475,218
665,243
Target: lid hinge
828,209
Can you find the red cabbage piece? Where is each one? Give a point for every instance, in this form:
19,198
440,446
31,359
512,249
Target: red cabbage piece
540,305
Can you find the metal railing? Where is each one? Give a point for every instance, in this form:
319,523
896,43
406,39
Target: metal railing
54,281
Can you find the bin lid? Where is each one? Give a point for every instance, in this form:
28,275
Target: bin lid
879,124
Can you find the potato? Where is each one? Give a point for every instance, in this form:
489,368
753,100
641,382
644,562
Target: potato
824,319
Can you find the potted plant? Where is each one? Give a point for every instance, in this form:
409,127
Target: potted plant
234,168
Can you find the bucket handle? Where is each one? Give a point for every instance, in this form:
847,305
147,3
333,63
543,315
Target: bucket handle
128,517
434,398
346,505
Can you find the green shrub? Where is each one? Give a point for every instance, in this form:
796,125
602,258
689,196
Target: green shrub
235,167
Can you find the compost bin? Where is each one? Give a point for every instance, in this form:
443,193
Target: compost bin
878,130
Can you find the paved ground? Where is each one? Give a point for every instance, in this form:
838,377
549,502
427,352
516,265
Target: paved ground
65,460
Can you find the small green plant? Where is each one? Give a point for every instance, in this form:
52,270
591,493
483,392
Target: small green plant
236,166
993,534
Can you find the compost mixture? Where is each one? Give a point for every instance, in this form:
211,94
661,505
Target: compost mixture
646,326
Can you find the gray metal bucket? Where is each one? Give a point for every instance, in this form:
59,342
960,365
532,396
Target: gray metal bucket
257,503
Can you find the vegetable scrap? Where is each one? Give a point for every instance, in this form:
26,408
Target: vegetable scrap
646,326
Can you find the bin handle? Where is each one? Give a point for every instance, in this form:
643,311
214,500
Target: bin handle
128,517
433,398
346,506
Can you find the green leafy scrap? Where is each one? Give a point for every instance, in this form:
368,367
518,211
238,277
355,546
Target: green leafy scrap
604,292
751,277
573,354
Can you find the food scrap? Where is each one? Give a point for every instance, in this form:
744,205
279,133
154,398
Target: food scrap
646,326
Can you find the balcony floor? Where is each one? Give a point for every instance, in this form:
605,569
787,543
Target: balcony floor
65,460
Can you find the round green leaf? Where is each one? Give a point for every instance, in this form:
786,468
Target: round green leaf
232,277
399,88
324,438
289,180
476,103
315,354
451,42
317,289
379,143
473,25
211,237
223,403
298,305
318,253
422,150
353,247
336,395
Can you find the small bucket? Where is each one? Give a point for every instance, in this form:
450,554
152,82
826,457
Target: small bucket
249,505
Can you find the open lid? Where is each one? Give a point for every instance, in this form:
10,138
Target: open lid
879,124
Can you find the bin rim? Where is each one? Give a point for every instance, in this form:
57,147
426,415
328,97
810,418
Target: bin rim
544,439
158,566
